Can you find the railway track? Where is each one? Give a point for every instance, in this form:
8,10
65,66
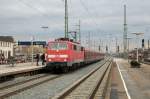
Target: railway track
5,86
15,88
91,86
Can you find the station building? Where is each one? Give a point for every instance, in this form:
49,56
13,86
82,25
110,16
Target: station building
6,46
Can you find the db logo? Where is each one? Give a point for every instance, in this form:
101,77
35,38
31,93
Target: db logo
57,55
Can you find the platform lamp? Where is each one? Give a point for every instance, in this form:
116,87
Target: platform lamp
44,28
32,45
137,34
128,48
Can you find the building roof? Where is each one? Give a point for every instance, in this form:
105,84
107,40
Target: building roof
7,38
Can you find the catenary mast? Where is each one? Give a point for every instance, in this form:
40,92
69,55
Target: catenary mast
66,19
125,32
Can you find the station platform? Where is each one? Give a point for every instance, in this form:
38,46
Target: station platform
6,70
136,80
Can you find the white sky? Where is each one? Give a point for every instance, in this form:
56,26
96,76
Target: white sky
102,18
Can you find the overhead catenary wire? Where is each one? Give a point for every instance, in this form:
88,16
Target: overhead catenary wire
88,12
47,16
28,4
85,8
91,15
31,6
34,8
40,12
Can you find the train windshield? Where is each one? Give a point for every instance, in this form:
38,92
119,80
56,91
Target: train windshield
57,46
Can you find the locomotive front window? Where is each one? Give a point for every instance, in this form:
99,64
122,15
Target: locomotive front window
57,46
53,46
62,46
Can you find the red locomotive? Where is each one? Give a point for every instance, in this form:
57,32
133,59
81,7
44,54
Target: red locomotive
64,54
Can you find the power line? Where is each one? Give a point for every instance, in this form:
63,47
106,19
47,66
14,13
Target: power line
84,6
36,9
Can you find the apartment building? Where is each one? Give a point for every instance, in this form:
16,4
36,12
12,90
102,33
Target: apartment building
6,46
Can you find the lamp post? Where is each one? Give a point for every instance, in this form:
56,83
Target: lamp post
32,40
137,34
44,28
128,40
128,50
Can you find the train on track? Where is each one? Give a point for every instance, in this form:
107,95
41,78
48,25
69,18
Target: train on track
64,54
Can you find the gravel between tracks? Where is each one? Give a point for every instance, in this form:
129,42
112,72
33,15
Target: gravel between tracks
50,89
86,88
19,79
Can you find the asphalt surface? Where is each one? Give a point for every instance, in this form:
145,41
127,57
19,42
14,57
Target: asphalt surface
115,88
137,84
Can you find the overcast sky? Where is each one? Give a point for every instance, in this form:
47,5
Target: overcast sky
103,19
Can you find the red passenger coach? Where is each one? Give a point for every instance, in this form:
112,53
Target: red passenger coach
64,53
92,56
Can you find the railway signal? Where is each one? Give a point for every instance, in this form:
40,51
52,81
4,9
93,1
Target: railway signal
142,43
106,48
99,48
118,49
148,44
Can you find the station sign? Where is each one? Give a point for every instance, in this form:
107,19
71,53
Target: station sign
30,43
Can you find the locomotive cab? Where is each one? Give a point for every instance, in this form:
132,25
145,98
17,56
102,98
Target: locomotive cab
63,54
57,53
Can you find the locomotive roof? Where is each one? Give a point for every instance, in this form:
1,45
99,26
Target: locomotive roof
65,40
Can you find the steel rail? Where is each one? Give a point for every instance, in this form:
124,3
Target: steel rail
102,88
99,82
71,88
21,82
11,91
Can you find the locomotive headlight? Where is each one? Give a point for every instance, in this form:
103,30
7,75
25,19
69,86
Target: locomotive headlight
50,60
51,56
65,60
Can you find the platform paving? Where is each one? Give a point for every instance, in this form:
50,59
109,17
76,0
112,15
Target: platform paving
18,68
137,85
115,89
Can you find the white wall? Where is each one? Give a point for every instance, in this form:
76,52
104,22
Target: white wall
5,47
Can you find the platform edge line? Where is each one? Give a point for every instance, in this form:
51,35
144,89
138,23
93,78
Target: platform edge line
124,84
